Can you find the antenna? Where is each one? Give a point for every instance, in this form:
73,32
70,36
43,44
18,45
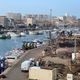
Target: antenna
50,16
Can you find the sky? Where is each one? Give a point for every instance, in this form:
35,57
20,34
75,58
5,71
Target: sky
59,7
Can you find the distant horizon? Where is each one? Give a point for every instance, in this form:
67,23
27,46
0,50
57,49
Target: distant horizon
38,14
59,7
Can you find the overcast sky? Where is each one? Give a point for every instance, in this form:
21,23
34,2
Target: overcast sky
59,7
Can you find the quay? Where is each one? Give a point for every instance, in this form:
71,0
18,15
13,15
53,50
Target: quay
14,72
70,38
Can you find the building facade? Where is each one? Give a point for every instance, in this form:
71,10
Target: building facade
36,19
15,16
4,21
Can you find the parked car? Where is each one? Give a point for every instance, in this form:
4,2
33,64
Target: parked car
25,65
10,60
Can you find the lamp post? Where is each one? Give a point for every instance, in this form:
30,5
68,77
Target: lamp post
50,27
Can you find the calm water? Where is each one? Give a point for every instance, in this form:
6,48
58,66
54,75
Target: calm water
16,42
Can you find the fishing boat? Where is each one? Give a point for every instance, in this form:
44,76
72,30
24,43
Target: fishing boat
3,36
12,34
28,45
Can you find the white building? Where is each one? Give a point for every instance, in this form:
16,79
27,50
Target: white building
15,16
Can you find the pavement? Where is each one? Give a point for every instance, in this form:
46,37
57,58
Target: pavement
14,73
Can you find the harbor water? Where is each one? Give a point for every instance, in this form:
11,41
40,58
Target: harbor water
16,42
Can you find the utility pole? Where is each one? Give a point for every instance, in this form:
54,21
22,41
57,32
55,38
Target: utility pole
50,27
50,24
75,48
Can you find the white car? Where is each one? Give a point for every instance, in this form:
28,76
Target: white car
25,65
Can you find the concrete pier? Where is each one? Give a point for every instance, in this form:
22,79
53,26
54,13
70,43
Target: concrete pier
14,72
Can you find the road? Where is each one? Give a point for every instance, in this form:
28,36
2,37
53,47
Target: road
15,73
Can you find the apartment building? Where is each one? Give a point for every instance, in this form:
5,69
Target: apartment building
4,21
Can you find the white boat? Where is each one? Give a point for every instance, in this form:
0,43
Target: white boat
22,34
38,43
36,32
32,32
36,40
12,34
